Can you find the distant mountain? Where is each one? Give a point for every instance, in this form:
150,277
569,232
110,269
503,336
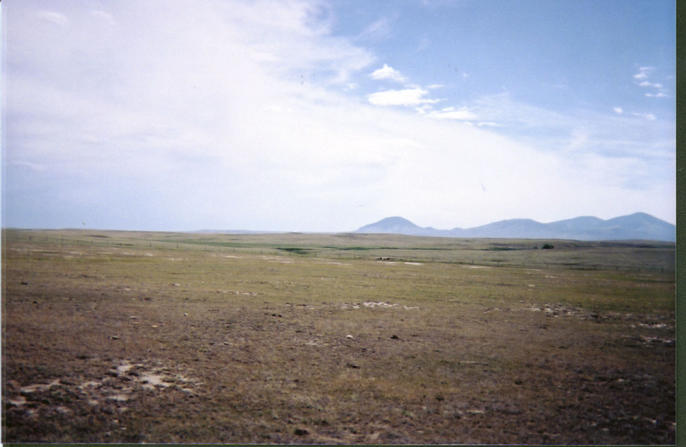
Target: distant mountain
395,225
514,228
586,228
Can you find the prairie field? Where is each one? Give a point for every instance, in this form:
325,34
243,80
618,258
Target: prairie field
115,336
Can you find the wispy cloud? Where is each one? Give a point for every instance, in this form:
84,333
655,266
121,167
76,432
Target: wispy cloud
643,72
53,17
613,134
423,44
650,84
387,72
647,116
377,30
104,16
451,113
642,79
578,139
405,97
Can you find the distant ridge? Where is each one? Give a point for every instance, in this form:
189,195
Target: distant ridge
394,224
637,226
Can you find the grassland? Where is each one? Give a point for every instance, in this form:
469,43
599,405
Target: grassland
300,338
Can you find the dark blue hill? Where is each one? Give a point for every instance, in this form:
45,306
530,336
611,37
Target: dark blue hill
637,226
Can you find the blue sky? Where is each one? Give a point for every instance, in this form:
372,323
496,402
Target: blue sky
325,116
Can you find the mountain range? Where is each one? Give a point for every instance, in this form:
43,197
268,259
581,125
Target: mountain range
637,226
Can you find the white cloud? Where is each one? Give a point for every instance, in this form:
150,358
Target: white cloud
461,114
53,17
387,72
642,77
647,116
405,97
434,86
650,84
103,15
643,72
579,138
377,30
618,110
422,109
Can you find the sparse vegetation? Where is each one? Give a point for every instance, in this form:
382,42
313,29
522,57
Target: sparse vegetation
296,338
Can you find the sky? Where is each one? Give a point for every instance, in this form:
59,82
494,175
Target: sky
324,116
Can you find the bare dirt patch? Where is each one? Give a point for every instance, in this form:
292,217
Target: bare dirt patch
377,305
122,388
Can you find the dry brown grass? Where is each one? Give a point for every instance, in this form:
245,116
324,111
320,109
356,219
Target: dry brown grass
243,342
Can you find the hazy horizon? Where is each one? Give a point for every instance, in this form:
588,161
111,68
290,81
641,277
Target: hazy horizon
249,230
324,116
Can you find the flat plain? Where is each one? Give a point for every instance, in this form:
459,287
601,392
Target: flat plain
335,338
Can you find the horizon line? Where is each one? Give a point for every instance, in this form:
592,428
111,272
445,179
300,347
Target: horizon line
240,231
